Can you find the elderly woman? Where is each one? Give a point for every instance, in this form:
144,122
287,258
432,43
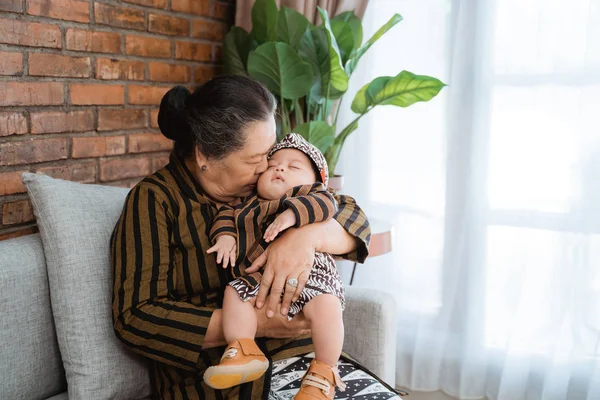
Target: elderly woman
167,290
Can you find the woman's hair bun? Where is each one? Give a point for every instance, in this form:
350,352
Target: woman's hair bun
172,116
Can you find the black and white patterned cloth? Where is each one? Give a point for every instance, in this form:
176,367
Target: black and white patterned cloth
360,385
324,279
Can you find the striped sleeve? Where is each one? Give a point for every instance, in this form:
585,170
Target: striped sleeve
145,315
223,224
355,222
316,206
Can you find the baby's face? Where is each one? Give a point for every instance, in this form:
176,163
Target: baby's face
287,168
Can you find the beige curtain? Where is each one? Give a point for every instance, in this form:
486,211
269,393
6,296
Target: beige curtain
243,11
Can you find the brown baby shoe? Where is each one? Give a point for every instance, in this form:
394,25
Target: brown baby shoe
241,362
319,382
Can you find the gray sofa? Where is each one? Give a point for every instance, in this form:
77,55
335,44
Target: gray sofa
31,366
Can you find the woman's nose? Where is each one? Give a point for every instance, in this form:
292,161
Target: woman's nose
262,167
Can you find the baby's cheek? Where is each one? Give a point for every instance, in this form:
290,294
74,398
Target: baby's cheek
265,176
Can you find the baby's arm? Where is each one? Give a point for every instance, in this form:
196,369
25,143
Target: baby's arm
224,235
225,247
316,206
283,221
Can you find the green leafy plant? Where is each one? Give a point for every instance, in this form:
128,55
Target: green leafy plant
308,67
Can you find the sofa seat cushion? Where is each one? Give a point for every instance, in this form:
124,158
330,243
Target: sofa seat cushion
31,367
75,222
62,396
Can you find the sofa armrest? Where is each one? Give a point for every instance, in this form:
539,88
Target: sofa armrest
370,332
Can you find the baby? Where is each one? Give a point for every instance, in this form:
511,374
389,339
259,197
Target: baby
290,193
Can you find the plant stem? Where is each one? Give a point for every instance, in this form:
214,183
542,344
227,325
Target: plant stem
341,138
307,105
289,121
299,112
326,100
333,154
337,111
284,118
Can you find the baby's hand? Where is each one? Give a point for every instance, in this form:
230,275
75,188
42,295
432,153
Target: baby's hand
225,249
281,223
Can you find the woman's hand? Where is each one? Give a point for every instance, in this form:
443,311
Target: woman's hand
291,256
279,326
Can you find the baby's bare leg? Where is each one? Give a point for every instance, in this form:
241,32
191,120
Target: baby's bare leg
324,313
239,318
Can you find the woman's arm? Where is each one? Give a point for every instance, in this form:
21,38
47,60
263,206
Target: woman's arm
347,235
354,221
145,315
292,255
331,237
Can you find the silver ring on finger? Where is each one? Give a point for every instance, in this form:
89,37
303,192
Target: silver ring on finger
293,282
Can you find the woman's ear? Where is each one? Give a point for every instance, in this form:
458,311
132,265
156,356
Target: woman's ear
200,159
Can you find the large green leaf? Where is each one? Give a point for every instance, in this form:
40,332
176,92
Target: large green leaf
313,47
362,101
291,26
401,90
337,79
319,133
351,64
355,25
360,105
344,38
279,67
264,21
235,50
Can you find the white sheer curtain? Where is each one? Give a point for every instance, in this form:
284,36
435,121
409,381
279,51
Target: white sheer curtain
494,192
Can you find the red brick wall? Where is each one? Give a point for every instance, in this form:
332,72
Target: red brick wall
80,82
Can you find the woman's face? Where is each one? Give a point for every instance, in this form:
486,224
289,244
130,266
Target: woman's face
236,175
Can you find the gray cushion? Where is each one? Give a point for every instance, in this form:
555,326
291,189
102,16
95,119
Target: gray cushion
62,396
75,223
370,330
30,365
65,396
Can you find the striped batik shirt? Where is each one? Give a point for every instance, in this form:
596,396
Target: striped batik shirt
166,287
248,221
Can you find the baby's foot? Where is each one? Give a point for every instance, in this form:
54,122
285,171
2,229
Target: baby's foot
241,362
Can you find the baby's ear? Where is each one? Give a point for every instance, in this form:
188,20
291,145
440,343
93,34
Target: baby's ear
316,172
